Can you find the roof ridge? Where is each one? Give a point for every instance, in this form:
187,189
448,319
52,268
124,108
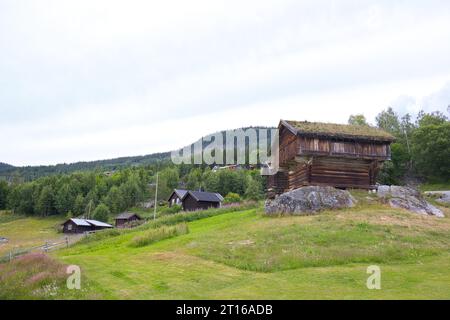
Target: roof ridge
338,129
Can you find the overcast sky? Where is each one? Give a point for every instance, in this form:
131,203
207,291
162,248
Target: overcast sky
88,80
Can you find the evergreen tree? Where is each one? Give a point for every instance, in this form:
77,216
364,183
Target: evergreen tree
79,205
45,202
4,190
114,200
194,179
65,199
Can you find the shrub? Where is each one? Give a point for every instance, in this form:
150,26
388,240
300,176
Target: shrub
134,224
159,234
254,190
171,210
7,216
232,198
100,235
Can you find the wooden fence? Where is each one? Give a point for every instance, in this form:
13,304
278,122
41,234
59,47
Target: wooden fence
46,247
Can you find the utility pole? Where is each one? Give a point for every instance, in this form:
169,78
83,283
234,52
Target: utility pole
156,196
89,211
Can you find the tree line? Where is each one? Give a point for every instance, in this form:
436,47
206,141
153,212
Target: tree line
76,194
97,194
421,151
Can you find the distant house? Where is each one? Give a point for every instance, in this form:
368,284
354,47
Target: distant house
83,225
127,219
148,204
176,196
232,167
199,200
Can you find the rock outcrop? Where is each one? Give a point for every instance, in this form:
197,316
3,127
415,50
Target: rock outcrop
409,199
440,196
309,200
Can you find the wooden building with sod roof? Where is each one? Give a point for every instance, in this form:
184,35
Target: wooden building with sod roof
342,156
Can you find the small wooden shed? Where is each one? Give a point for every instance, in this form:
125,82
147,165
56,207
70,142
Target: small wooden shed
127,219
342,156
200,200
84,225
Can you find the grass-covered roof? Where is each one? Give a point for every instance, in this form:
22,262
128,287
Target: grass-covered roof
339,130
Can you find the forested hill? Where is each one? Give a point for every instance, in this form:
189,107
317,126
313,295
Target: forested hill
29,173
5,166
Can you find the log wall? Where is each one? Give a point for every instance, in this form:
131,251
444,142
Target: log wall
289,146
341,172
357,149
342,163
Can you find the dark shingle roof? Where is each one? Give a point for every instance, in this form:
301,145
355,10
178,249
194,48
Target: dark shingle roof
126,215
205,196
180,193
339,130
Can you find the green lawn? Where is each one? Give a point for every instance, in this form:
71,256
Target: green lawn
435,187
24,232
245,255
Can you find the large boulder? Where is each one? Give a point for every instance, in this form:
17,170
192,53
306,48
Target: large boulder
309,200
409,199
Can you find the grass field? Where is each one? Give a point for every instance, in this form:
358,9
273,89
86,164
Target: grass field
247,255
25,232
435,187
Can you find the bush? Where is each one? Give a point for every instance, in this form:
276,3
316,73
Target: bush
171,210
254,190
232,198
7,216
134,224
159,234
